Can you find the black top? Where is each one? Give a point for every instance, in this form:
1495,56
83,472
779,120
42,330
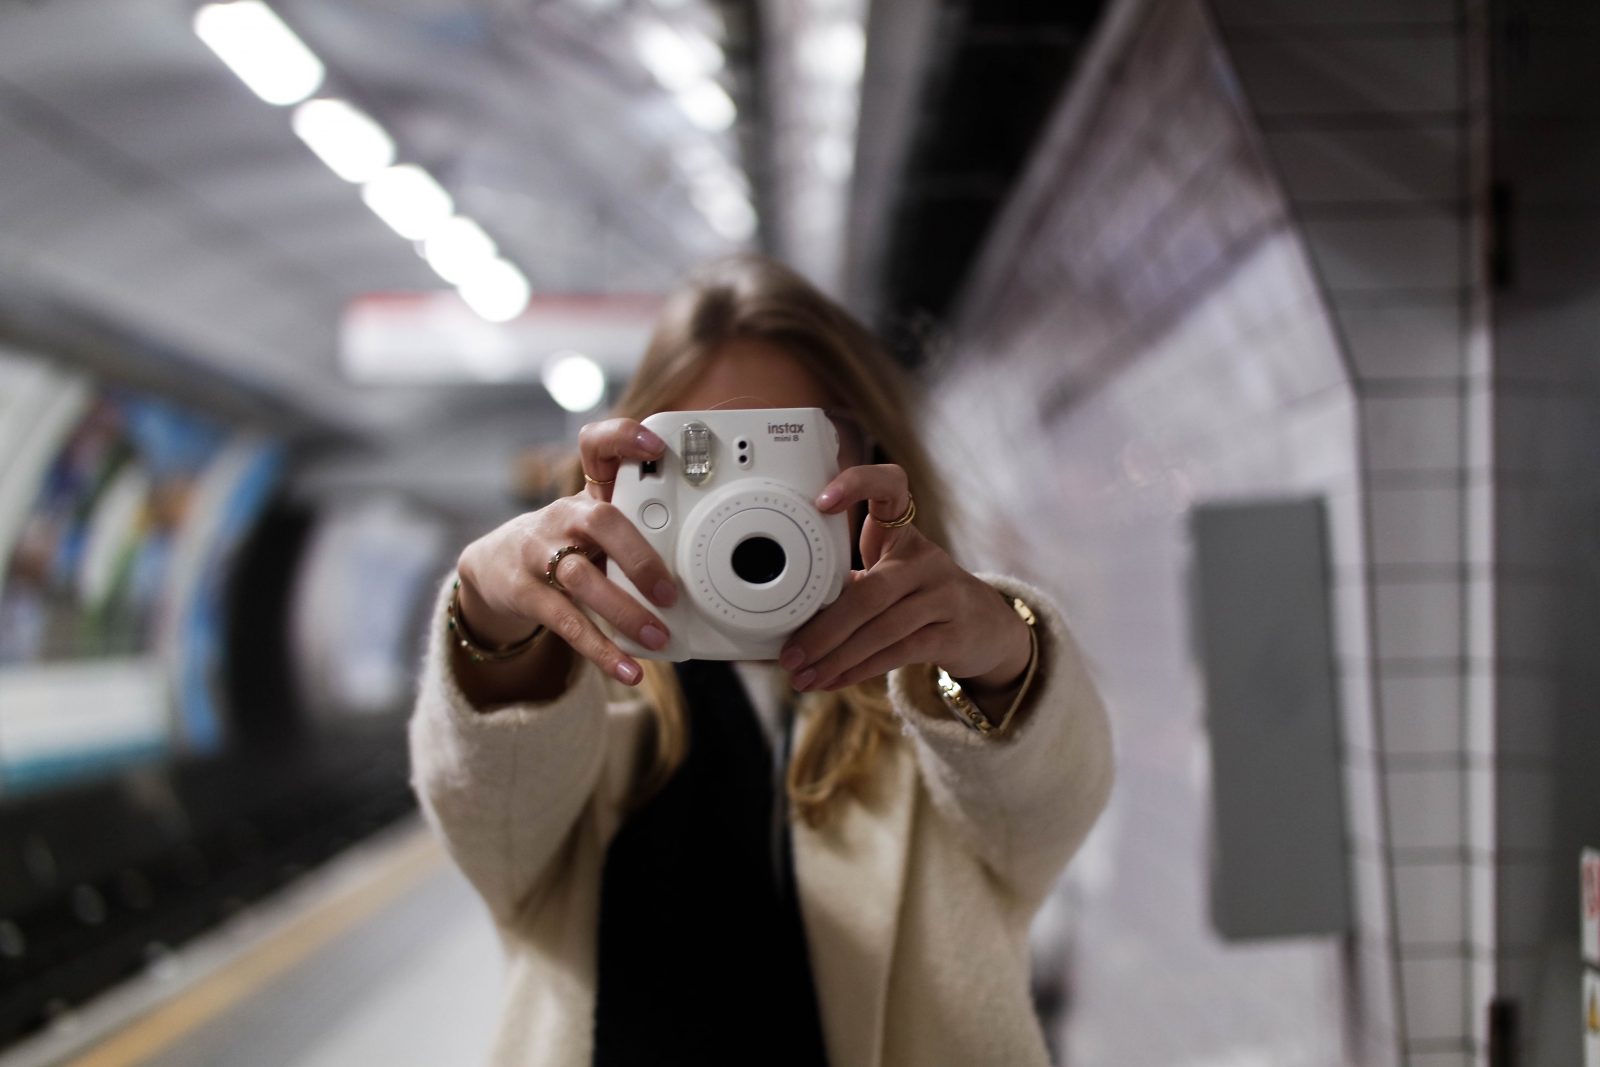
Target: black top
702,954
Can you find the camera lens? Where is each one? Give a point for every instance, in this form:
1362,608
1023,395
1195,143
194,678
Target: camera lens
758,560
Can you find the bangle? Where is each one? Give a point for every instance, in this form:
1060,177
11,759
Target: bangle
961,705
476,650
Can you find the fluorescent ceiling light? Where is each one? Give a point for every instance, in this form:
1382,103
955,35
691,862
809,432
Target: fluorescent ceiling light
496,290
708,106
457,247
260,49
834,156
730,215
834,51
344,137
574,381
677,59
409,200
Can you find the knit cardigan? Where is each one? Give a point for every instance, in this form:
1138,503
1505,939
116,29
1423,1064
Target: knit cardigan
916,895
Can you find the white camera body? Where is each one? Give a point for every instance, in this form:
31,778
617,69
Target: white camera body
728,507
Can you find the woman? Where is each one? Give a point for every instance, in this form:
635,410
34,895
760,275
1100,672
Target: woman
663,894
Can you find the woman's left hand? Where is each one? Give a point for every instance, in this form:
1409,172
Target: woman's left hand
912,603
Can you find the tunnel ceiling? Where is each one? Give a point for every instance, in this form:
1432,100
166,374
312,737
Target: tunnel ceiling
996,71
142,185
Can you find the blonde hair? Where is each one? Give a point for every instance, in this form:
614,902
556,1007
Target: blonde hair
752,297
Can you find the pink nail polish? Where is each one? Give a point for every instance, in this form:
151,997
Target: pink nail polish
653,637
649,441
804,678
792,657
629,673
825,501
664,594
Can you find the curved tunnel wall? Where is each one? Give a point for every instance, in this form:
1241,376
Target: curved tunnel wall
193,710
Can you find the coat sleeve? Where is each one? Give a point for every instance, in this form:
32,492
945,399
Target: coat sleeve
1024,801
503,788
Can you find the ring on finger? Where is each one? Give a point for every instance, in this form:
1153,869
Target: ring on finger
555,561
904,520
597,481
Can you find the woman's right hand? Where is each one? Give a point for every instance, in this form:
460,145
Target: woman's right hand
504,592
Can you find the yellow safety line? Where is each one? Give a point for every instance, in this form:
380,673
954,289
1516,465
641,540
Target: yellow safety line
241,977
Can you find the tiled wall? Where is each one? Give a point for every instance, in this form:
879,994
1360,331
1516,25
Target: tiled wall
1145,333
1284,246
1374,117
1546,319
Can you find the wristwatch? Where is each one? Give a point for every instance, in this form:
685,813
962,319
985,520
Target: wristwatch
961,705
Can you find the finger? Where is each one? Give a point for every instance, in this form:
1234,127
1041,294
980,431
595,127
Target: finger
604,446
586,584
609,530
563,616
903,619
861,601
917,647
887,493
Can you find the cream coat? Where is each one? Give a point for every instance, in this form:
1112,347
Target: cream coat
916,899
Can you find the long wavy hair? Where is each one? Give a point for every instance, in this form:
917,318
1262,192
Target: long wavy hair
751,297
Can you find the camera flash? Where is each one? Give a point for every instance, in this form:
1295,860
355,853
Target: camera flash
696,452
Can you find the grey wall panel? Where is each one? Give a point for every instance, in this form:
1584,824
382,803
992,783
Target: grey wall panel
1262,632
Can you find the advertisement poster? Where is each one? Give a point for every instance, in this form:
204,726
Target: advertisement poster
116,514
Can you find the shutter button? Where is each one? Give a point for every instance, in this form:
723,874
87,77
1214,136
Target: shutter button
654,514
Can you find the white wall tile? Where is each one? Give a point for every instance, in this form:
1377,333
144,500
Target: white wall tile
1419,620
1407,341
1430,904
1421,252
1417,525
1422,715
1412,433
1425,808
1435,998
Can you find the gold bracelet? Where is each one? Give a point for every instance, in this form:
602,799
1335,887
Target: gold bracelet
476,650
961,705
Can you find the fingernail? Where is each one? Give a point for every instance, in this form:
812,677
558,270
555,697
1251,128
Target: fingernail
805,678
825,501
653,637
649,441
792,657
664,594
628,672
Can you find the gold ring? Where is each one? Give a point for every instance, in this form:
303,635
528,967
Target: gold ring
903,520
555,561
597,481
